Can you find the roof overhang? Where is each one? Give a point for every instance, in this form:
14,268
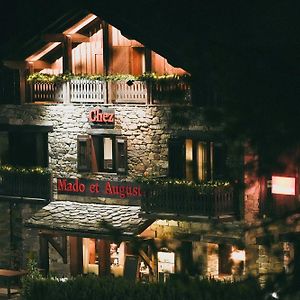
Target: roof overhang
90,220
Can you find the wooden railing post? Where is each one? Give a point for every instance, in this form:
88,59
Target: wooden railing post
110,97
66,92
149,92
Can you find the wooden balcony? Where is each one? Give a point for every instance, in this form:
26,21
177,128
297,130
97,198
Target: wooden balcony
97,91
26,185
187,200
69,92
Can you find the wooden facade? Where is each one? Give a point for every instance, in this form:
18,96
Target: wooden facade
102,49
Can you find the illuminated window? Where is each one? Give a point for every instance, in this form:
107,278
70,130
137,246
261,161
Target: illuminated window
197,160
283,185
90,256
102,153
166,264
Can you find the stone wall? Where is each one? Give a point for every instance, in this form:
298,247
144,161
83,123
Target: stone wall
5,253
17,243
147,129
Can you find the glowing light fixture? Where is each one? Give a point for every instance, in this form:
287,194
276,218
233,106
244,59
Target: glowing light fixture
283,185
238,255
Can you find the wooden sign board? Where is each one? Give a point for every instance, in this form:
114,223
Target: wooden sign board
131,267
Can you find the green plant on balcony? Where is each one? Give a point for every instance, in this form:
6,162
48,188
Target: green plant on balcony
149,77
168,86
8,169
202,187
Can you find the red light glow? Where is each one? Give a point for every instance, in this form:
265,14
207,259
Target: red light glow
283,185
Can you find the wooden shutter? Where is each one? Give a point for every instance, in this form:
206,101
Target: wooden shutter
176,158
83,153
121,155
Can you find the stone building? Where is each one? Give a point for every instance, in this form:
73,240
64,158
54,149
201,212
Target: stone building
110,154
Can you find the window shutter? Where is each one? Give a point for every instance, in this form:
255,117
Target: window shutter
83,153
176,158
121,155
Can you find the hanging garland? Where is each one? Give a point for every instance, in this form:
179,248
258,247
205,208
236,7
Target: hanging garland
202,187
8,169
149,77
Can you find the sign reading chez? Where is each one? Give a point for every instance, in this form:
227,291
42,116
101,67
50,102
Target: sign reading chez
98,188
102,117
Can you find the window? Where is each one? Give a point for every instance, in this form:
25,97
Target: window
26,149
197,160
102,153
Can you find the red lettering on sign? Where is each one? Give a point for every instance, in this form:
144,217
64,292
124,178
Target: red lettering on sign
94,188
122,190
64,186
97,116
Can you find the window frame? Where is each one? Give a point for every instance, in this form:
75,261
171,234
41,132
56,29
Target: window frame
178,161
94,159
38,148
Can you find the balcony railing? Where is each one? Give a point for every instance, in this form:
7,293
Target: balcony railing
76,90
186,200
26,185
135,92
97,91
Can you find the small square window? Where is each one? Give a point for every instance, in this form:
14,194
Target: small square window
102,153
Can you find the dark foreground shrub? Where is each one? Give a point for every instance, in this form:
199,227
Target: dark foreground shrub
94,288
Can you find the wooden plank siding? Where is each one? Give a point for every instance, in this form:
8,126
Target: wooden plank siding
126,57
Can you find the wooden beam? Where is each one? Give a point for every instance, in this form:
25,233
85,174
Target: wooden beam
41,64
147,261
76,256
60,37
67,55
103,248
44,254
79,38
61,249
54,37
107,42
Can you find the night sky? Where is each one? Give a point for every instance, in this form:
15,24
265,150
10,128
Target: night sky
161,23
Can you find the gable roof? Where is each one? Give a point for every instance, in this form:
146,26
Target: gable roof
20,47
180,31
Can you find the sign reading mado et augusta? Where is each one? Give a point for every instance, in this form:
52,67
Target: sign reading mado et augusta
99,188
